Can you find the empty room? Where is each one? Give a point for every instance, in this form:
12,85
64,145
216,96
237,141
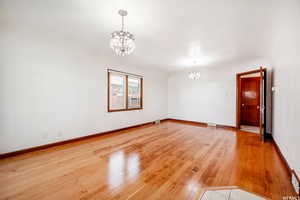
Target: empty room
135,100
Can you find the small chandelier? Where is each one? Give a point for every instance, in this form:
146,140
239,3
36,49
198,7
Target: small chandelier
122,42
194,75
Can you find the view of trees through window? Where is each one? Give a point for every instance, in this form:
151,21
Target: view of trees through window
125,92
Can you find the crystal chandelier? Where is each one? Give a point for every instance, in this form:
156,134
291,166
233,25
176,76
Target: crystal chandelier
194,75
122,42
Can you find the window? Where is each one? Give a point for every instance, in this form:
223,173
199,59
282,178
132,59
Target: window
117,97
124,91
134,92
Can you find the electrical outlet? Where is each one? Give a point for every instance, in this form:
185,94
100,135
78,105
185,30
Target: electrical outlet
157,121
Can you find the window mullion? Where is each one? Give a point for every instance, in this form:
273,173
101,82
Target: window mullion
108,91
126,93
141,93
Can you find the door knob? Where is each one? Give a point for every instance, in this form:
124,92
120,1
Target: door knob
257,107
243,104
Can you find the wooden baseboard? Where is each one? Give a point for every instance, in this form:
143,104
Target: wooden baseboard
289,170
287,166
187,122
226,126
298,180
14,153
166,119
201,123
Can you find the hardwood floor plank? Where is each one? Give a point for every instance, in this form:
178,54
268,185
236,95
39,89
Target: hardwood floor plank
171,160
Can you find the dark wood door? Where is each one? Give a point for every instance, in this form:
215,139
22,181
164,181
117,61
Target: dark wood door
250,101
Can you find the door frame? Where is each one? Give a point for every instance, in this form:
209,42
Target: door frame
262,72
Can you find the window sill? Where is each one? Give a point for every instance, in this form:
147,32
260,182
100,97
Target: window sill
129,109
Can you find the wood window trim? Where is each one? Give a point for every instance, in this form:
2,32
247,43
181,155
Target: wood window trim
126,91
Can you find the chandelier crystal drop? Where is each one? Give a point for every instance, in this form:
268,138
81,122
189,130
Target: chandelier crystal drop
194,75
122,42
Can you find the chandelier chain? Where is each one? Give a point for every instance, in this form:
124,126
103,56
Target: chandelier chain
122,23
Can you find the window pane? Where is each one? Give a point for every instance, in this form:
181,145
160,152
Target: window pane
117,89
134,92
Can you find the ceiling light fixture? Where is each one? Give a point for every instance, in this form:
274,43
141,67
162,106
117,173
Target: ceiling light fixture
194,75
122,42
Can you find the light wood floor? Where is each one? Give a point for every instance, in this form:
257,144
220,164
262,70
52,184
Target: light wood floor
170,160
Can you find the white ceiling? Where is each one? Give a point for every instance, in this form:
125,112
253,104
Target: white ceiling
170,34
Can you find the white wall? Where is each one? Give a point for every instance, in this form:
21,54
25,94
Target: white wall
285,56
212,98
54,88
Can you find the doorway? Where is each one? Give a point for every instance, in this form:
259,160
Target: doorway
251,101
